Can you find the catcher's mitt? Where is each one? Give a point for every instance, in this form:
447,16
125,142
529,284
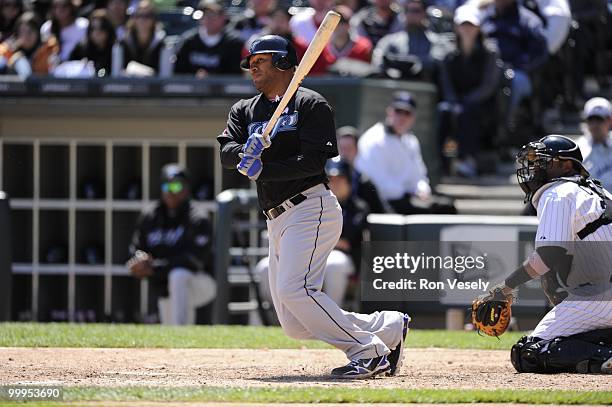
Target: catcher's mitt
491,313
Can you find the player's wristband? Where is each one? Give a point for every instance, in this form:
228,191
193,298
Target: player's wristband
518,277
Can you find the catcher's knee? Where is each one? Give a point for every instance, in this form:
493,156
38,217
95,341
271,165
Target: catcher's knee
563,354
525,355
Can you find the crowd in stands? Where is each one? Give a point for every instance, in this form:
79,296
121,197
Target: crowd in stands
497,64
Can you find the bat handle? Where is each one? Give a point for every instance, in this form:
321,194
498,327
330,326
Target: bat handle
273,132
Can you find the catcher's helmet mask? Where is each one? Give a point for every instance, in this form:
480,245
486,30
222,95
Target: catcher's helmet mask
283,53
535,159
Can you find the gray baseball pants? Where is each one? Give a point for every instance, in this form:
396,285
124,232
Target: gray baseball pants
300,240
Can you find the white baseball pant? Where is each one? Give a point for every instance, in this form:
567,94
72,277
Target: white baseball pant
572,316
301,240
187,291
338,269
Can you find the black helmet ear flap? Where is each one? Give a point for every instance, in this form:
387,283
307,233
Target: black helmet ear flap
283,63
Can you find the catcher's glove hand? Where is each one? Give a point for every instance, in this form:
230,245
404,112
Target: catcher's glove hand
491,313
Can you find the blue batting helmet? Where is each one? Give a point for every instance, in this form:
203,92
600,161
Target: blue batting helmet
283,53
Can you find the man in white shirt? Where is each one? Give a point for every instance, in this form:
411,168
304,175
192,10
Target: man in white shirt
390,155
596,143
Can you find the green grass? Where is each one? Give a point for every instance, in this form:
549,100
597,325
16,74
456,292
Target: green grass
331,395
247,337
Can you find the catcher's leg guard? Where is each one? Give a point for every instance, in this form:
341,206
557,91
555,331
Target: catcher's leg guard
571,355
599,336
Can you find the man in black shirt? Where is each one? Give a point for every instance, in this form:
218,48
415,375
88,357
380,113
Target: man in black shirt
210,49
304,217
171,246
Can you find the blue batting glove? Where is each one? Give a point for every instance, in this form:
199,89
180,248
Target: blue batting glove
250,166
255,145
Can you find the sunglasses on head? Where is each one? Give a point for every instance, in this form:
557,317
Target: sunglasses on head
173,187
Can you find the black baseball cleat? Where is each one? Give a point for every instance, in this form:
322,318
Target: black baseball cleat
397,354
362,368
606,367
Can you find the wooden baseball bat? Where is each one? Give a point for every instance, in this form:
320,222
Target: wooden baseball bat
318,43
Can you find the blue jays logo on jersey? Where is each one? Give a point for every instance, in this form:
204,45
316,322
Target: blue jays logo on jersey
287,122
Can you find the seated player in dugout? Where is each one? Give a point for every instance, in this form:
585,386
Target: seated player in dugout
572,258
171,246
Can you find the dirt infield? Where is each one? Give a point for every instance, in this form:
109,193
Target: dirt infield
423,368
170,404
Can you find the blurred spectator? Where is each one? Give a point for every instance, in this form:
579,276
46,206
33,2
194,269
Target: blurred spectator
383,17
519,36
279,25
24,53
210,49
346,42
342,260
172,247
10,10
414,51
65,25
556,18
117,12
253,18
469,80
354,5
591,27
360,185
305,23
98,45
447,5
596,143
390,155
144,38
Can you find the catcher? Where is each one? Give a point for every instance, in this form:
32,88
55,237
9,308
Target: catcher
572,257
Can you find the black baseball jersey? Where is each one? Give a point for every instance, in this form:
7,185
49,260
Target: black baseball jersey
180,238
221,58
295,161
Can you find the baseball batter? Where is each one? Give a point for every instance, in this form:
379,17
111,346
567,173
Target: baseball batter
573,253
304,218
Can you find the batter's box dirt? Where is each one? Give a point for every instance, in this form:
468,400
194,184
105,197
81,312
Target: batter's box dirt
423,368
